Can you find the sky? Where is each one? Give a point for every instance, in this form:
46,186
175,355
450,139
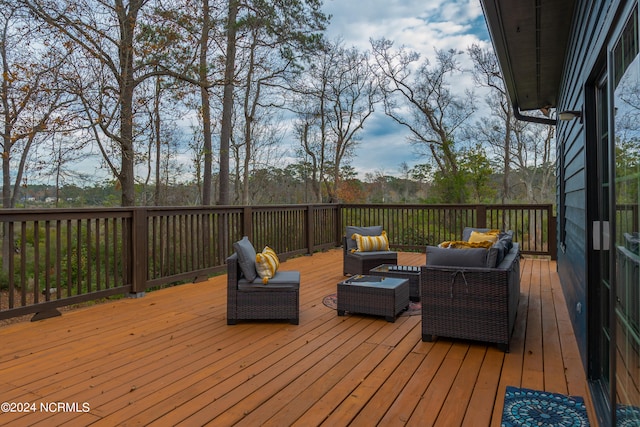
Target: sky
420,25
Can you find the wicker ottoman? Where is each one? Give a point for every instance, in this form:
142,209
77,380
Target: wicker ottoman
375,295
409,272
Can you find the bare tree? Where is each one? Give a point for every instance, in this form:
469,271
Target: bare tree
104,33
418,96
534,161
353,96
31,95
62,152
337,94
161,131
497,126
260,74
310,129
523,149
30,98
194,58
288,27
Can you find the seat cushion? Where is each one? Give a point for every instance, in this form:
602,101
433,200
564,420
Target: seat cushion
374,254
281,280
246,258
632,242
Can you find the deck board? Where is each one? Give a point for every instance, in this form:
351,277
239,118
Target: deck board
169,358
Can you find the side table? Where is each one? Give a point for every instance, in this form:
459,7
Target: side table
376,295
409,272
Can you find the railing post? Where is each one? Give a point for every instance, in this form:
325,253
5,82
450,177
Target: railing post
481,216
310,228
139,252
552,235
340,226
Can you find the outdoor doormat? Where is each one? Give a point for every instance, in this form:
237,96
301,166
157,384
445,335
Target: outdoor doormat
415,309
627,415
525,408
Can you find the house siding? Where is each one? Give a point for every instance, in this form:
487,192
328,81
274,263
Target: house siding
592,23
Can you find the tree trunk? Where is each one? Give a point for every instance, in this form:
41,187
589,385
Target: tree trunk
227,103
128,17
6,203
206,106
6,174
250,105
158,137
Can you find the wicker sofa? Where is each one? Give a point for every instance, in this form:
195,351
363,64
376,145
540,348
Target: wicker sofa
362,262
251,299
477,302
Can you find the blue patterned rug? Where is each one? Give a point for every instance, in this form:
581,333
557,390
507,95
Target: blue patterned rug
627,416
528,408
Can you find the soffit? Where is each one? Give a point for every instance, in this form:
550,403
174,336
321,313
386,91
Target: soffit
530,38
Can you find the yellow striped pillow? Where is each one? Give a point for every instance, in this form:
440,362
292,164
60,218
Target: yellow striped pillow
371,243
267,263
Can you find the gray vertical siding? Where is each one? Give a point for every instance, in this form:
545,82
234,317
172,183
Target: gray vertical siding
584,60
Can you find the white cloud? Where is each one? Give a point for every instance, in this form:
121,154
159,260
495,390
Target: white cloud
419,25
416,24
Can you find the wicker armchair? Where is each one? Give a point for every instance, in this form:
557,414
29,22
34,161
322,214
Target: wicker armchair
472,303
362,262
252,300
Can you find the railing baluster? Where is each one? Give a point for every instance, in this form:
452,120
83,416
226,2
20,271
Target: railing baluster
69,258
36,266
107,253
89,257
58,266
98,255
23,261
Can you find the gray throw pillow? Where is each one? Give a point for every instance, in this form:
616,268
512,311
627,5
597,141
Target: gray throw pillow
246,258
475,257
374,230
492,256
501,247
507,239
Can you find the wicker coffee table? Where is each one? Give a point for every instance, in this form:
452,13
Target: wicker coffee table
375,295
409,272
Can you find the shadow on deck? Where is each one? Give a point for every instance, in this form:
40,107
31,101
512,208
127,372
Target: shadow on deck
170,359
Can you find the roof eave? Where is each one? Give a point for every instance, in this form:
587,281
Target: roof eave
530,41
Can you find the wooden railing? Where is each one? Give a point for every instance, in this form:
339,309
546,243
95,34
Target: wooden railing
58,257
412,227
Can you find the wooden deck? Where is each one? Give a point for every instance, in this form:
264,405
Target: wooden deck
170,359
